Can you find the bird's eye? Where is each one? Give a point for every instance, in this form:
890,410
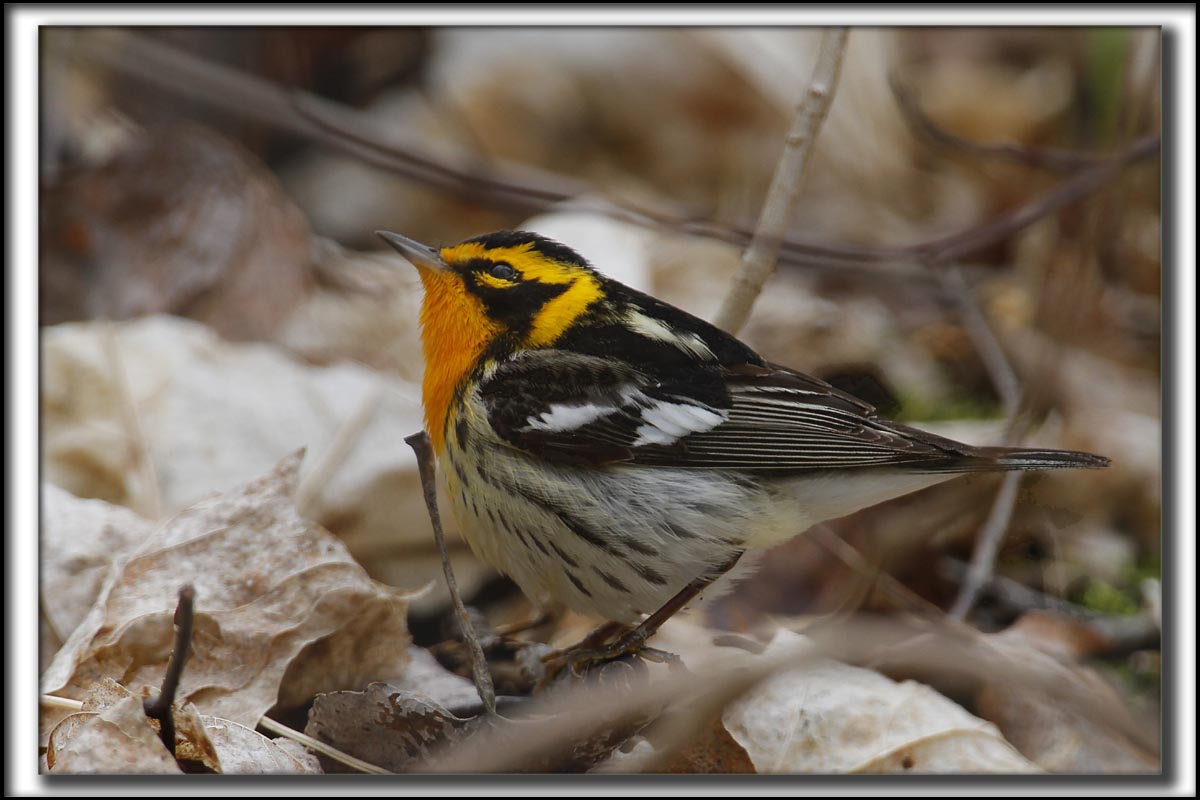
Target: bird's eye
502,271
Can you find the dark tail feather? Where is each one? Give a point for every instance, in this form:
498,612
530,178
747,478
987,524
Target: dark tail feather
1006,458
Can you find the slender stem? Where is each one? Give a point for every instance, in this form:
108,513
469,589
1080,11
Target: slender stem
761,257
64,703
1049,158
150,497
419,442
317,746
527,189
987,544
160,707
987,344
335,455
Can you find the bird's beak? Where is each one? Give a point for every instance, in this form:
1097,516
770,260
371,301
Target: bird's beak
417,254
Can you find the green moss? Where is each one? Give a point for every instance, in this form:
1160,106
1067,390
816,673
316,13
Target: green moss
1106,52
959,406
1103,597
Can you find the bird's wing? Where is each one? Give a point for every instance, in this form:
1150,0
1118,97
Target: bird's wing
575,408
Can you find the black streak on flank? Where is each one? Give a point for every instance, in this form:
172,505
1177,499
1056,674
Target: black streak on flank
572,524
610,580
563,555
650,575
462,476
638,547
578,584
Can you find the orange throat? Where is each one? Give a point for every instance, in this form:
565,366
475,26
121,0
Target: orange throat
454,333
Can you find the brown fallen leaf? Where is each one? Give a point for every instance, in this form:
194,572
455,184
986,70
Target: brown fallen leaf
1057,737
244,751
385,726
110,736
181,221
268,585
829,718
217,413
714,751
113,735
80,542
193,745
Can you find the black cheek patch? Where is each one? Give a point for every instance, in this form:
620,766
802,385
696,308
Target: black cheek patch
516,306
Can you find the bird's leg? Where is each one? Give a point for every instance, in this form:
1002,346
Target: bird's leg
543,617
589,651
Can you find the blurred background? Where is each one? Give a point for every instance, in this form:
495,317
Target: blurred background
213,296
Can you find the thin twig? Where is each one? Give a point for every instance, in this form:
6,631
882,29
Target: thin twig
344,440
1008,386
419,442
999,369
345,130
277,728
761,257
852,558
160,707
150,501
317,746
987,544
955,247
1014,595
63,703
1049,158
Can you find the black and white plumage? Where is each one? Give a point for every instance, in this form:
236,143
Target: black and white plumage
607,450
635,405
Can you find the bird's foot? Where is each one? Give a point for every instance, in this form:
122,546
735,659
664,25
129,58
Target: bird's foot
610,643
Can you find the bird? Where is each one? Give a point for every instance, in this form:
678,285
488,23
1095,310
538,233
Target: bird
616,455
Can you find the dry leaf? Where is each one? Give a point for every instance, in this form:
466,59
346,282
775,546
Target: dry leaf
715,751
831,717
391,728
1056,735
1060,740
425,676
215,413
118,739
192,742
268,585
244,751
181,221
80,542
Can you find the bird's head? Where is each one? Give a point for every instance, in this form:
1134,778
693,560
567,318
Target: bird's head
513,283
509,290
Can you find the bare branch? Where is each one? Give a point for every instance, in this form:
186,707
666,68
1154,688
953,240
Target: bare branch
761,257
987,544
852,558
419,442
149,500
528,189
1004,378
160,707
344,440
1001,372
1049,158
317,746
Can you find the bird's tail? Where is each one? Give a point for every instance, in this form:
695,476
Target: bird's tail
1008,458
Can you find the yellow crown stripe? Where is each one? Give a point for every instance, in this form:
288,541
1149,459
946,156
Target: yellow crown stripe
556,316
531,264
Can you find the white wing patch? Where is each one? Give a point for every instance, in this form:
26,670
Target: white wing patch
662,422
665,423
563,417
652,328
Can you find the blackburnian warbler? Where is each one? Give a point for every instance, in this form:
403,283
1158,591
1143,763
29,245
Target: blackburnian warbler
616,454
